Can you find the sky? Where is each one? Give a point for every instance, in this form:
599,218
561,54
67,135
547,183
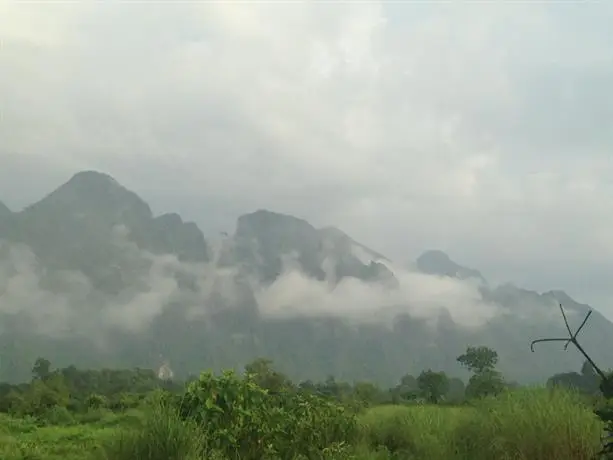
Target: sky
481,128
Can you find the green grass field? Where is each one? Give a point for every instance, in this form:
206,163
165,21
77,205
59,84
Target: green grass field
21,439
526,424
76,439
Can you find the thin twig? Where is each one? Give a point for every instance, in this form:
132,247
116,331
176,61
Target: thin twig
572,339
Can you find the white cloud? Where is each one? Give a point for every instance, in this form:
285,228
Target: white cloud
419,295
66,304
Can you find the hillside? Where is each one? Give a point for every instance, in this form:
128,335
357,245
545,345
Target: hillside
89,275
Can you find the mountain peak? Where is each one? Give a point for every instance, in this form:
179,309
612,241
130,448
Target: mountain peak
271,226
266,218
89,177
436,256
89,184
437,262
89,192
264,237
74,228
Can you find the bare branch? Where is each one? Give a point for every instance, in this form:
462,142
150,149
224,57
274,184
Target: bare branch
562,339
565,320
572,339
583,323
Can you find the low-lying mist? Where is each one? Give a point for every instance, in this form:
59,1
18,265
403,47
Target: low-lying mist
64,303
420,295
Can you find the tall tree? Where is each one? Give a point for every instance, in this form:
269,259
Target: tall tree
486,380
478,359
433,385
41,369
265,376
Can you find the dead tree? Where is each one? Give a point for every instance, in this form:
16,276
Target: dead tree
606,383
572,339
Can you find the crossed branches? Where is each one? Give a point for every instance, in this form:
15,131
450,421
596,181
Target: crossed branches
572,339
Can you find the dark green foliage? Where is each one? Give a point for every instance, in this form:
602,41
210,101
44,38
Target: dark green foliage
433,385
478,359
587,381
406,390
243,421
95,401
57,415
41,368
40,396
266,377
366,393
263,415
486,383
79,390
486,380
605,412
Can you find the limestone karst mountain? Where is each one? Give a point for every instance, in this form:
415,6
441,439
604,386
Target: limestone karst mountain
89,276
266,242
436,262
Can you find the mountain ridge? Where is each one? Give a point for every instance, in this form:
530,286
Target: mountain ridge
94,226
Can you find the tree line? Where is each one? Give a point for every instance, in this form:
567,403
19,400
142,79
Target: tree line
118,389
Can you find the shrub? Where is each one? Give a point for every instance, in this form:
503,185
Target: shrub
96,401
241,420
57,416
123,401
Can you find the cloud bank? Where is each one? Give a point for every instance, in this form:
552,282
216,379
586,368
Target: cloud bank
419,295
65,303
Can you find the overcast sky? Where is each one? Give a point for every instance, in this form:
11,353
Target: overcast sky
480,128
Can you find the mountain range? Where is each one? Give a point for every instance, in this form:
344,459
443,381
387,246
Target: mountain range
89,276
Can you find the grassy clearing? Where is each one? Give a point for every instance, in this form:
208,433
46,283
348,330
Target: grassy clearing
531,423
22,439
162,436
71,439
411,431
525,424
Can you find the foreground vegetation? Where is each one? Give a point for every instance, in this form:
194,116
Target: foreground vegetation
117,415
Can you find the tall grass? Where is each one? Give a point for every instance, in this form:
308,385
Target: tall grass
411,431
162,436
531,424
524,424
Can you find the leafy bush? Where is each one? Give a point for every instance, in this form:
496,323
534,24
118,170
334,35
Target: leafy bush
124,401
95,401
57,416
241,420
